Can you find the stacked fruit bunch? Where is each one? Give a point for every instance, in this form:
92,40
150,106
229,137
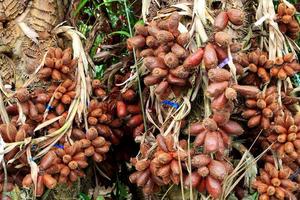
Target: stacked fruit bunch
261,69
271,111
262,109
64,164
60,165
285,136
221,94
162,168
287,21
233,15
271,106
274,183
285,66
143,176
33,105
45,175
165,56
58,65
214,138
94,146
118,111
63,95
129,109
167,163
208,174
101,116
72,161
12,133
126,106
257,64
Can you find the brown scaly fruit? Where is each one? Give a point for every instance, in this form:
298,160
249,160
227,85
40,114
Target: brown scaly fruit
274,183
261,110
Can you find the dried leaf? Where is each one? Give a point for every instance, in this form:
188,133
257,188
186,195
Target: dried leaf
34,169
29,32
145,9
47,123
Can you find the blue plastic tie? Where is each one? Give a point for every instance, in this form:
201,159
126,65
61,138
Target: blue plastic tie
49,107
33,147
294,175
59,146
170,103
224,62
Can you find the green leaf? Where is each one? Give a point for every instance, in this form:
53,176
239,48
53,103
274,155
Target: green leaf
296,80
97,42
122,190
80,6
120,33
253,196
83,196
100,198
232,197
88,11
15,193
140,22
100,71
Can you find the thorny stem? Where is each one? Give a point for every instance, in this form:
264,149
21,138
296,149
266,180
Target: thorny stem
136,68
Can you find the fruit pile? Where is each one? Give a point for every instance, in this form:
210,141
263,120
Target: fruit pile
287,21
50,106
232,76
163,48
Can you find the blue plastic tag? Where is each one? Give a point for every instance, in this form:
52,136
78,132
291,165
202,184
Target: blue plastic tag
33,147
295,174
59,146
49,107
170,103
224,62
